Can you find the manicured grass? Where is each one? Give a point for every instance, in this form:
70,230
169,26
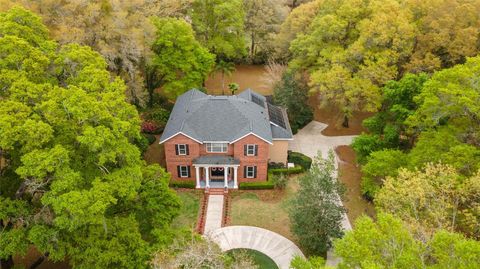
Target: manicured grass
189,210
260,259
264,208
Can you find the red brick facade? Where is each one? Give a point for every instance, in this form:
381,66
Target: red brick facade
236,150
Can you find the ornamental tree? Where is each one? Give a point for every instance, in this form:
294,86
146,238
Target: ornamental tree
316,212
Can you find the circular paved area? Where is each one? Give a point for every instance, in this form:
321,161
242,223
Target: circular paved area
278,248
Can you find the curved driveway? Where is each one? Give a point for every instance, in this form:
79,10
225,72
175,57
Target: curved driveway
309,141
278,248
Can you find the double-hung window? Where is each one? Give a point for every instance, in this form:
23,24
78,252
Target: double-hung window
182,149
250,150
216,147
250,171
183,171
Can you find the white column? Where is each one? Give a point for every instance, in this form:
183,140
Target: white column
235,169
225,173
207,177
197,176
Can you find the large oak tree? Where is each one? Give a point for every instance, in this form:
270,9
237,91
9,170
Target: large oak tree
74,184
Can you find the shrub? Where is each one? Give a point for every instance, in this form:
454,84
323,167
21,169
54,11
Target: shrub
185,184
151,138
261,185
157,115
279,181
142,143
273,165
300,159
365,144
149,127
286,171
381,164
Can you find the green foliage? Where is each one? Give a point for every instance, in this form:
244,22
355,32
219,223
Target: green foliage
260,185
312,263
351,49
219,26
381,164
300,159
433,198
450,98
182,184
316,224
386,243
82,190
179,62
279,181
286,171
365,144
293,95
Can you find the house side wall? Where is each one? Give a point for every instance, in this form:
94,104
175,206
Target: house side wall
173,160
279,151
260,161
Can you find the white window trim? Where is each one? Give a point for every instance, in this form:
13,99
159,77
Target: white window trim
179,148
224,147
253,150
181,171
252,171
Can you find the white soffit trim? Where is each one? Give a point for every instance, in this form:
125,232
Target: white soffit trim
248,135
163,141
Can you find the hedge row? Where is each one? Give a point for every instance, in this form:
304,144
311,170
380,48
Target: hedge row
184,184
287,171
260,185
300,159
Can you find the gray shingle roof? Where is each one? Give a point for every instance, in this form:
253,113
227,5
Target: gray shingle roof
221,118
209,159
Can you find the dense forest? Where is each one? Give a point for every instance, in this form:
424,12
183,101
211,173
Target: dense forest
82,82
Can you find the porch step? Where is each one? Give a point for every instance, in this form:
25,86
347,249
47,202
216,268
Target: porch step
217,191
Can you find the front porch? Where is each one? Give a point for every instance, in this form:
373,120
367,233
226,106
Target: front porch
216,172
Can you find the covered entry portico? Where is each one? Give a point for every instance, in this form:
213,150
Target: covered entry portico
216,172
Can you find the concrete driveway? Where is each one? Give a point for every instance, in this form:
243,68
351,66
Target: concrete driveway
310,141
278,248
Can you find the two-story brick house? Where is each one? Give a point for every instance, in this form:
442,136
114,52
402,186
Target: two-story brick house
219,141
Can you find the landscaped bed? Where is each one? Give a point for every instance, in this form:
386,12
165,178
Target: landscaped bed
260,259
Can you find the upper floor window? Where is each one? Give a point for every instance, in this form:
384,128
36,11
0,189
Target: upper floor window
216,147
181,149
250,150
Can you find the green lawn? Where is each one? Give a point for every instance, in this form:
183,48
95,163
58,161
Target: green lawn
189,210
264,208
262,260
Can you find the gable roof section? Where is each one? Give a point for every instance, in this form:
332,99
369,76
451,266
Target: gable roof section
204,117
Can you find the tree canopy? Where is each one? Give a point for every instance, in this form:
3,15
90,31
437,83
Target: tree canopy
316,213
179,62
77,186
219,26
